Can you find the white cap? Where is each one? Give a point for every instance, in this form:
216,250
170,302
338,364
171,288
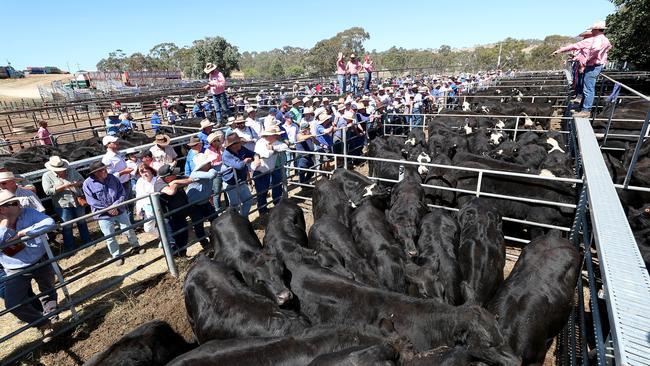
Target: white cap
108,139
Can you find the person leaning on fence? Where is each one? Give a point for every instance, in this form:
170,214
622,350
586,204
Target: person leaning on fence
112,123
104,190
290,128
206,130
195,146
305,141
269,158
63,184
27,197
17,222
155,122
246,130
595,49
215,155
162,152
236,161
115,163
324,136
174,203
197,110
199,192
295,110
217,87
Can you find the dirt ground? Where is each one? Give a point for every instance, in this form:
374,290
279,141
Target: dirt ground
27,87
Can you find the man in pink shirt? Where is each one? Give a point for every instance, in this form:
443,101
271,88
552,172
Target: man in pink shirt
595,49
43,134
340,73
353,67
367,67
217,87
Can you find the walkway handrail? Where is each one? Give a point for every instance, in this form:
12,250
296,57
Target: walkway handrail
626,87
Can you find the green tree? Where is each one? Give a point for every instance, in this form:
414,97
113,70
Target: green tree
164,56
216,50
295,71
116,61
629,31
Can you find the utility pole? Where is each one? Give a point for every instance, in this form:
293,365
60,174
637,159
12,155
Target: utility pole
499,59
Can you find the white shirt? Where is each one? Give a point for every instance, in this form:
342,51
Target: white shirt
27,198
292,131
114,165
256,126
267,156
165,155
248,134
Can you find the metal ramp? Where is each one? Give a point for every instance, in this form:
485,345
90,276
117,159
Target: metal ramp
625,279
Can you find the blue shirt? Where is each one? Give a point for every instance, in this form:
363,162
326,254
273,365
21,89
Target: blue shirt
203,137
100,195
35,224
236,162
197,111
189,162
323,139
112,126
155,122
200,190
207,106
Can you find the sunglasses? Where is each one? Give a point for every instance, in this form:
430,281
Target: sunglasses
10,204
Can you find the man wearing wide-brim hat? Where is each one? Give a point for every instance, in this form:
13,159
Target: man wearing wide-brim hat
217,87
267,165
9,181
63,184
162,152
236,166
295,110
199,192
115,163
103,190
195,146
17,255
595,49
174,201
112,123
206,129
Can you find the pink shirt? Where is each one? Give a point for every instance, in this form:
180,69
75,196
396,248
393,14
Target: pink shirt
217,82
367,67
214,155
340,67
354,67
594,49
44,136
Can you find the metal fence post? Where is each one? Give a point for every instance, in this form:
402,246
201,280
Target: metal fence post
514,138
344,136
609,122
285,183
162,232
635,156
59,274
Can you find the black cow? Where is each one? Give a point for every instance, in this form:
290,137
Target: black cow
151,344
444,356
406,210
375,242
482,251
377,355
329,298
220,306
439,177
328,237
297,349
359,188
535,301
439,270
236,244
531,156
558,163
329,200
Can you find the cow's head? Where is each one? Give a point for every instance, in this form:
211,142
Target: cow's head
485,109
496,138
466,107
500,124
555,146
267,278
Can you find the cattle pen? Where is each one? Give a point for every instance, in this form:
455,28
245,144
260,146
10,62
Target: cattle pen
609,323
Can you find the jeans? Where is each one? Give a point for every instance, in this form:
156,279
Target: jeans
589,86
342,82
67,214
177,223
19,289
262,183
366,82
220,103
240,195
217,187
354,84
305,162
107,226
416,119
199,213
579,83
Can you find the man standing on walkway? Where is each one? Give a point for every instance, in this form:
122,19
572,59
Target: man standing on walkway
217,87
595,48
353,67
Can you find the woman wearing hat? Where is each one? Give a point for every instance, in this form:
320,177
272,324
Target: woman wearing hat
236,161
17,222
214,153
195,146
217,87
27,198
104,190
266,166
63,184
162,152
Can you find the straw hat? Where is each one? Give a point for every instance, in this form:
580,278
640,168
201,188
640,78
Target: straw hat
250,110
209,67
307,110
200,160
96,166
235,120
108,139
56,164
316,100
8,176
295,101
271,131
341,107
306,99
348,115
6,196
325,99
193,141
162,140
232,139
206,123
599,25
213,136
323,117
585,33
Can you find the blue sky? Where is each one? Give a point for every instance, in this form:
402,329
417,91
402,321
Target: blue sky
57,33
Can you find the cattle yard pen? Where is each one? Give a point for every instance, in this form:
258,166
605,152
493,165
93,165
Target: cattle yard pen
620,279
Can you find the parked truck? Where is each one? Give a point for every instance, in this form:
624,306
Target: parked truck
8,72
